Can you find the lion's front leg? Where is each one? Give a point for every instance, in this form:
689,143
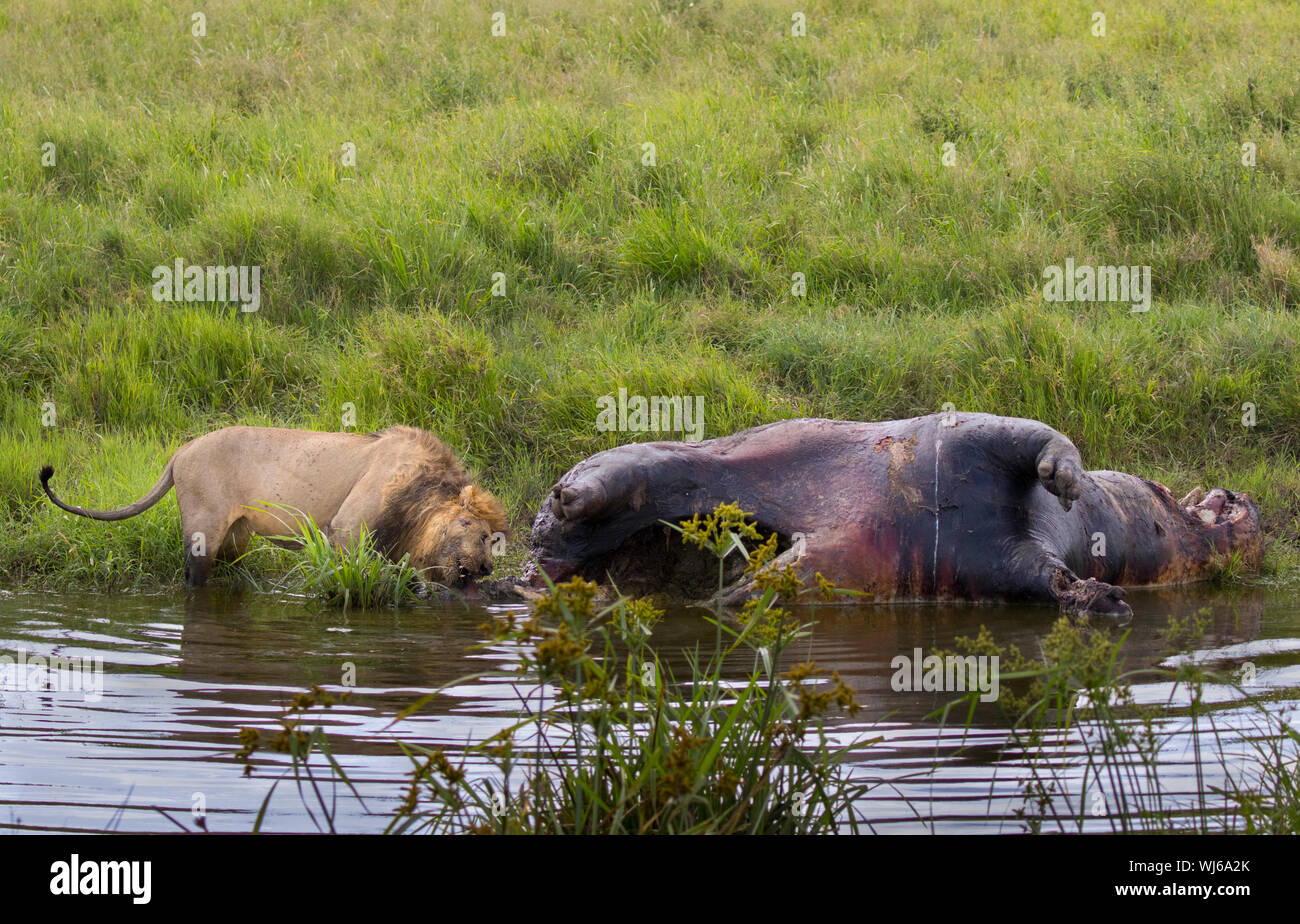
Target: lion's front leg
362,509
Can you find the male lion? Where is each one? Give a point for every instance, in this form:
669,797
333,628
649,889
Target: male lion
403,483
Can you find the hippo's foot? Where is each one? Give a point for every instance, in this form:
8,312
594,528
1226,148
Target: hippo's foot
1060,471
1091,596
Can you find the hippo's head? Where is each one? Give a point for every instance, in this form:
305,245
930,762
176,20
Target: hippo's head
1229,522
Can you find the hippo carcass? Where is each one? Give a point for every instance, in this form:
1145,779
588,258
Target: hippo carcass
946,507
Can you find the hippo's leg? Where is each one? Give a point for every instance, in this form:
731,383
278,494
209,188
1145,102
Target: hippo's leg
584,496
1037,573
1088,596
627,479
603,501
1060,470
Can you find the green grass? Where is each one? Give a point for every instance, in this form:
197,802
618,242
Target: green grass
523,155
355,574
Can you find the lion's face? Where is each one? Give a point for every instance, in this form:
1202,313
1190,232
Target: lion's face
460,538
465,552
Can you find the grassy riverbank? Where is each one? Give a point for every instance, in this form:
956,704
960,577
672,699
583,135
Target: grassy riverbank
524,155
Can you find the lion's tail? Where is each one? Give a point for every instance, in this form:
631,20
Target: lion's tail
155,494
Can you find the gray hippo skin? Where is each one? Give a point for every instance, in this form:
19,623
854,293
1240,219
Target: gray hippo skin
944,507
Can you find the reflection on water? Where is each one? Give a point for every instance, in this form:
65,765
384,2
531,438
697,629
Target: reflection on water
184,672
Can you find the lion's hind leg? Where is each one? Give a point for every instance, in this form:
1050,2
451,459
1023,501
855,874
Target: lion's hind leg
199,560
236,541
205,539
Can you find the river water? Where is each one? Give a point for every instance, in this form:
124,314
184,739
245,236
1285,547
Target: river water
184,672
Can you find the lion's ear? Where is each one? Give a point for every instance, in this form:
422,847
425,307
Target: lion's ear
484,506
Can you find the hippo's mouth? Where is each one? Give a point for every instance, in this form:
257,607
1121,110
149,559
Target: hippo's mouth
1218,508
